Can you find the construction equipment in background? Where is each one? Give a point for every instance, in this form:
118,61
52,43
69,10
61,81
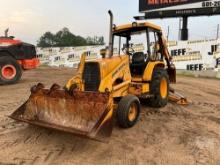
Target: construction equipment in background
106,88
15,56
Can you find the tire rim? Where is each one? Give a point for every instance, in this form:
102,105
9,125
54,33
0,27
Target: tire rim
8,72
163,88
132,114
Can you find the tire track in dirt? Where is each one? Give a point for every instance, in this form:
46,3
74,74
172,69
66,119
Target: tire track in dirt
51,154
168,135
11,127
10,143
172,110
45,155
204,149
207,104
11,106
8,125
202,154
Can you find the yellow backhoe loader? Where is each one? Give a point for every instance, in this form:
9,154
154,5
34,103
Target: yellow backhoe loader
107,88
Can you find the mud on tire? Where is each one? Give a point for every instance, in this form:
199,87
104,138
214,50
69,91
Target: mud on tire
159,88
10,70
128,111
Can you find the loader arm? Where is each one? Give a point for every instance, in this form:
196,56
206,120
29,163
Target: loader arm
76,81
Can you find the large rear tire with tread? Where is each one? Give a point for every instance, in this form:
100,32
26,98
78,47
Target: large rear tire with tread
10,70
159,88
128,111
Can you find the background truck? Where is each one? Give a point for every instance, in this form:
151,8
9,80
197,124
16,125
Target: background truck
15,56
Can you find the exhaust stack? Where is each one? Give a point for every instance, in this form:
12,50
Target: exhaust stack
6,32
110,35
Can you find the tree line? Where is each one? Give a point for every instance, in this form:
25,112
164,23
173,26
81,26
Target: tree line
65,38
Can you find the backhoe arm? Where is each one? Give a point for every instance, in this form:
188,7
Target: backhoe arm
171,69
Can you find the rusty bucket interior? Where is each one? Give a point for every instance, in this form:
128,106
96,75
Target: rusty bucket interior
86,114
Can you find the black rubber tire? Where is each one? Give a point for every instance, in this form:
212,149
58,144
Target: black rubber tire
123,110
157,100
8,60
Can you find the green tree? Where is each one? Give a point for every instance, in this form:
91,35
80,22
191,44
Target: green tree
65,38
47,40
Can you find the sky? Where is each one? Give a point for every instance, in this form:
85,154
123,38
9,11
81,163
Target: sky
29,19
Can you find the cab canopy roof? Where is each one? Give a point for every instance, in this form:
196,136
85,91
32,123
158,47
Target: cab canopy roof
135,27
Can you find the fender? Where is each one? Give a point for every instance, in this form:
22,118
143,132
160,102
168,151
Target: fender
148,72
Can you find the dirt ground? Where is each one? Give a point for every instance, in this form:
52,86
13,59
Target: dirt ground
171,135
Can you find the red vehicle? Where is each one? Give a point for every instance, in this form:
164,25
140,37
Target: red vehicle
15,56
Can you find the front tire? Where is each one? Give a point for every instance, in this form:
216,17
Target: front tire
10,70
159,88
128,111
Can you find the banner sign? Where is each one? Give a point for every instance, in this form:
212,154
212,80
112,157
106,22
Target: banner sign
178,8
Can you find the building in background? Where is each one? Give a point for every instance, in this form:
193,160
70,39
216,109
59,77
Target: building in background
192,55
196,55
67,56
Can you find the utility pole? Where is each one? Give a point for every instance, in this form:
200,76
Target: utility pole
179,33
217,35
184,30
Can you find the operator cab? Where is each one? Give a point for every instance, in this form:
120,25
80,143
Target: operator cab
140,42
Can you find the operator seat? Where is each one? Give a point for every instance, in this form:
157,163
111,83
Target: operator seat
138,58
138,63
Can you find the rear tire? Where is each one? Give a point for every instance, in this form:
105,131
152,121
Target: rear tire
10,70
128,111
159,88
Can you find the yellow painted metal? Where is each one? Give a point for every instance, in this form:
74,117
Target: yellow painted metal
117,68
145,88
163,88
139,24
77,79
148,72
121,85
137,79
121,92
113,69
133,111
139,88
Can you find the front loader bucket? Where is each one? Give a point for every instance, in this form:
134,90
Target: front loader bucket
87,114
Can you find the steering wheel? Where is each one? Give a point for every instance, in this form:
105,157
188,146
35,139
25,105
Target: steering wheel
130,50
